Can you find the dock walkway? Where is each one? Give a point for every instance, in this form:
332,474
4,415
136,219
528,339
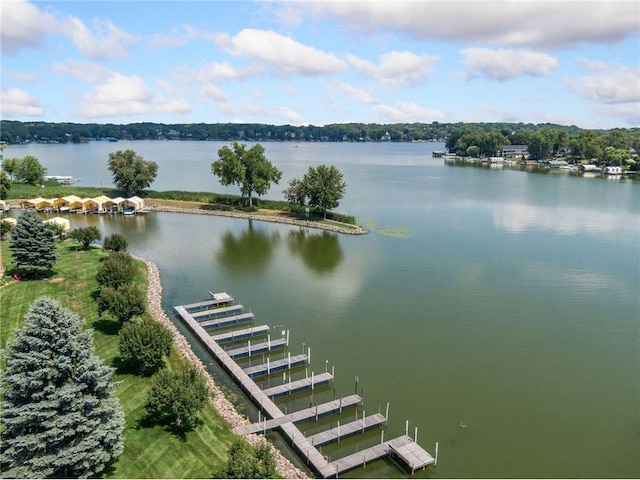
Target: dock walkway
276,366
403,447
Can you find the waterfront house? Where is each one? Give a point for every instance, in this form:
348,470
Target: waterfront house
513,151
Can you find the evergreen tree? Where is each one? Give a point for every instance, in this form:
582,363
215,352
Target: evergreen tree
34,245
60,416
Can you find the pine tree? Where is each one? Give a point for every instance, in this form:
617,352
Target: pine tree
34,245
60,416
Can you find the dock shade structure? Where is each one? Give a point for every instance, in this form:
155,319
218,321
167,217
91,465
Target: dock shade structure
10,220
3,206
70,203
64,223
104,203
118,204
136,202
38,203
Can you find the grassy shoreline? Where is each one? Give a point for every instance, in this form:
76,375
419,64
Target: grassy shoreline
150,452
211,202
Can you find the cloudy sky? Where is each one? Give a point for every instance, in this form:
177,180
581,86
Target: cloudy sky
304,62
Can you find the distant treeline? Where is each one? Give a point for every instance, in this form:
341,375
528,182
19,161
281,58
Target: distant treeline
46,132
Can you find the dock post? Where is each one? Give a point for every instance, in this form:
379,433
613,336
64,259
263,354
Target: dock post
406,427
340,403
338,431
249,344
333,371
378,406
287,338
415,435
268,367
436,459
289,357
386,415
326,366
382,437
312,380
316,411
304,347
364,414
309,355
355,390
269,342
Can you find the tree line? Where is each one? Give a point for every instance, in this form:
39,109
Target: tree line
20,132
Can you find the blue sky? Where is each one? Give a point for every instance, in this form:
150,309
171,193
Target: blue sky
304,62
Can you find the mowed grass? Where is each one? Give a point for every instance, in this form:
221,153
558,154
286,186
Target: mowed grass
150,452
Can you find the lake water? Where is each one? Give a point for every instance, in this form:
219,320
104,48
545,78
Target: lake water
496,310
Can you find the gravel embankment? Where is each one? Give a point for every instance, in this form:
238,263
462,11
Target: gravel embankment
355,230
226,409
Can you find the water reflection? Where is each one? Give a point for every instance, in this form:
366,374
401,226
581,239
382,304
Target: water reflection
321,252
248,252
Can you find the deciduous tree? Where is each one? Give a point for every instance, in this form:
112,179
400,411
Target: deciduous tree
60,416
249,169
176,396
324,186
115,243
123,303
144,343
85,235
29,170
246,461
117,269
34,245
5,185
131,172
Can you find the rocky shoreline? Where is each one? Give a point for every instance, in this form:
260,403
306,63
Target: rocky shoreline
226,409
347,230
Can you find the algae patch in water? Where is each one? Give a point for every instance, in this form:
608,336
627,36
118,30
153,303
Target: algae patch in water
399,232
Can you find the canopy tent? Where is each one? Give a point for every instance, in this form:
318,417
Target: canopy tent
104,203
3,205
118,203
11,220
136,202
65,223
38,203
89,205
71,202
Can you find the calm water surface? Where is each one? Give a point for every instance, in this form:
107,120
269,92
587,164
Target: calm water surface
499,300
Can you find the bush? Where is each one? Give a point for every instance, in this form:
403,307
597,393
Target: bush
145,343
117,270
246,461
123,303
115,243
86,236
177,397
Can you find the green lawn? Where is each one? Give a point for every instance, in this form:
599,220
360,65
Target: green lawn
150,452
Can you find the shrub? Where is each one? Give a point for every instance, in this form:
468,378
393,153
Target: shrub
115,243
118,269
145,343
123,303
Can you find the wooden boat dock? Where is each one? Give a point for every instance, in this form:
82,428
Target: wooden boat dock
218,312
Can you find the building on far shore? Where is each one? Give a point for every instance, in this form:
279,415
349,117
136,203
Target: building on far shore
512,151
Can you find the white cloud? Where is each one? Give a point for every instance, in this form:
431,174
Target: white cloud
362,94
504,64
212,72
211,92
88,72
628,112
180,37
24,77
266,113
524,23
16,102
286,56
407,112
118,95
23,25
105,40
609,84
396,69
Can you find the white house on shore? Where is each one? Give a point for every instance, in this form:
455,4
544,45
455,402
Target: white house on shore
513,151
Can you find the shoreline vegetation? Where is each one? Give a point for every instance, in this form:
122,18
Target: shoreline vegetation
202,203
72,282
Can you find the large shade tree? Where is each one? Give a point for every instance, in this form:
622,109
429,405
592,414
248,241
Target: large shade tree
131,172
34,245
322,187
29,170
60,416
248,168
